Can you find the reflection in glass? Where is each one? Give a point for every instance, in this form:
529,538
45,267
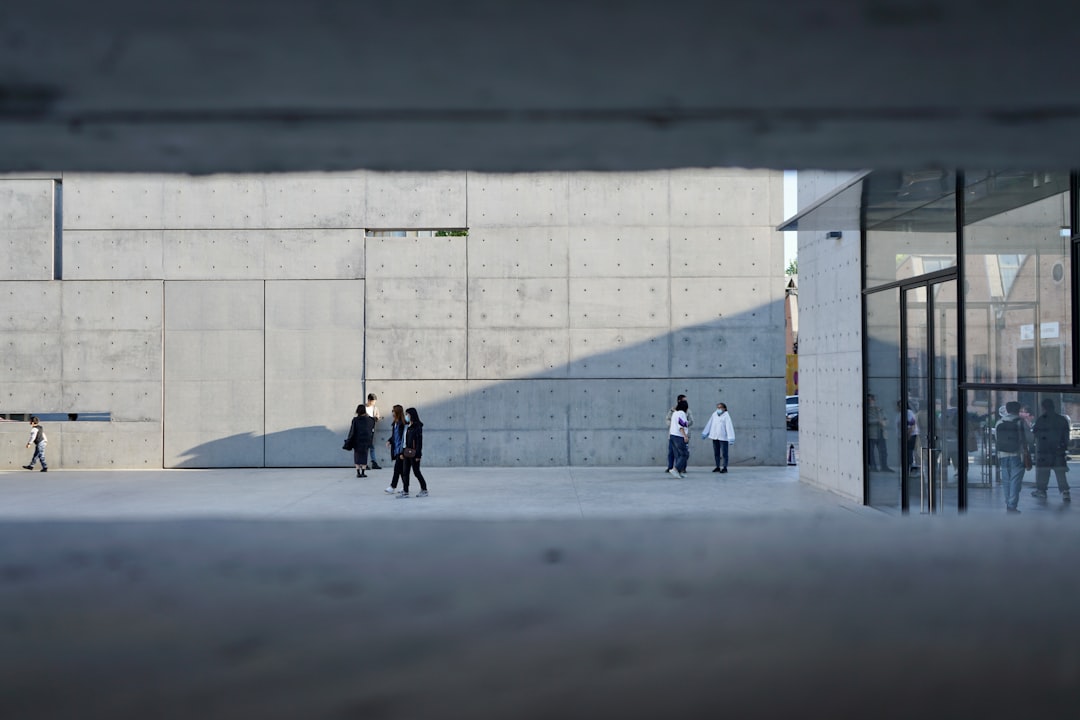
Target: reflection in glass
1017,286
914,414
884,459
910,224
1052,430
945,429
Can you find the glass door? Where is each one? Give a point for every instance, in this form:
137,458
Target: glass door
927,424
912,420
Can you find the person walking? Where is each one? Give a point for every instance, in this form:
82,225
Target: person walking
360,437
373,412
395,443
689,424
412,452
1051,433
950,422
875,435
1012,443
679,439
39,441
720,430
907,425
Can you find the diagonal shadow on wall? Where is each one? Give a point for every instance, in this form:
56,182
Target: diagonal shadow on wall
606,408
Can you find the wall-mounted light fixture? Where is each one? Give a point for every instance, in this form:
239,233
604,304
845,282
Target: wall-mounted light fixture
835,235
1065,231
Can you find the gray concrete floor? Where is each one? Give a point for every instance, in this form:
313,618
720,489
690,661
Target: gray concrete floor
456,493
524,593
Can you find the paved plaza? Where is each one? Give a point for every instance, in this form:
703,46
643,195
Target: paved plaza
456,493
518,592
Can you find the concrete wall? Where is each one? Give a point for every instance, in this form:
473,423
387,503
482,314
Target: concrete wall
238,320
830,350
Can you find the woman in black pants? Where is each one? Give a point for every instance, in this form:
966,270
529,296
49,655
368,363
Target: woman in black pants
394,444
414,440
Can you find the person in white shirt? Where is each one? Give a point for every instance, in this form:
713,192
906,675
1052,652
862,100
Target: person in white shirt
37,439
689,424
722,433
373,411
679,439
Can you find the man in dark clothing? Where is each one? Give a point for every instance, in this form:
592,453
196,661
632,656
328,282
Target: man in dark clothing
1051,432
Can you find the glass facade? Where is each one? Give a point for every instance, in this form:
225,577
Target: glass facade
969,295
910,225
1017,279
883,434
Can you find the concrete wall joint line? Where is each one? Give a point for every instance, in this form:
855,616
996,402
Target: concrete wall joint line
161,397
670,304
364,315
259,229
569,341
264,373
467,373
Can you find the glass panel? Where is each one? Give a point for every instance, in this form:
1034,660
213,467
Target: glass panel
1052,428
1017,284
883,386
945,430
911,418
910,224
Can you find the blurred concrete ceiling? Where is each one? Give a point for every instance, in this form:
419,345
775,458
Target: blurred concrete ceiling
274,85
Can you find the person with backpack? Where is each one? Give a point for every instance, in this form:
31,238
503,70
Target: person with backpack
689,423
1013,444
38,440
679,439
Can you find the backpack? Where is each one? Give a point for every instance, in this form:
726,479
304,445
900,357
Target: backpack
1008,436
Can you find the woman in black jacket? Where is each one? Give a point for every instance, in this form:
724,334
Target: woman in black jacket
360,433
414,444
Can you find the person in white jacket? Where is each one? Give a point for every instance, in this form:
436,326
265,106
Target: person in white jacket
720,430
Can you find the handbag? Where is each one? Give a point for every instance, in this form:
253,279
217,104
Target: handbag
348,444
408,453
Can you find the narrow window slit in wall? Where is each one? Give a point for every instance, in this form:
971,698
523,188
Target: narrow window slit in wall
446,232
58,230
57,417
